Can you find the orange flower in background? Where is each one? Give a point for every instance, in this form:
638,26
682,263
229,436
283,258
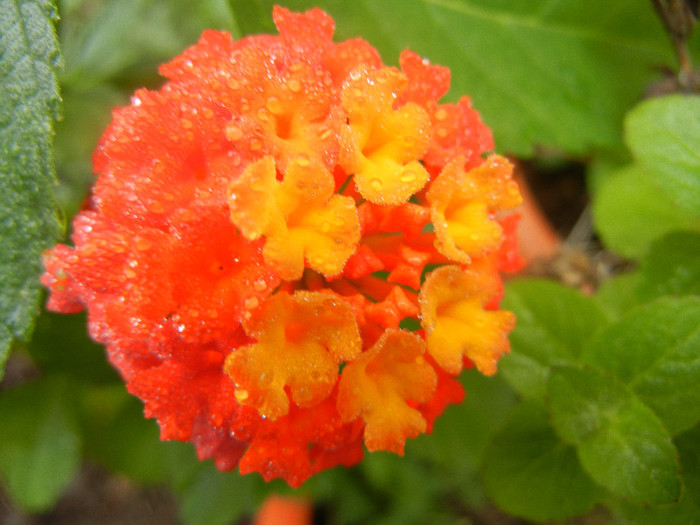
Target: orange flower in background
266,230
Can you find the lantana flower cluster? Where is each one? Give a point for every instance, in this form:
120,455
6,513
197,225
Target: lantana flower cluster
292,249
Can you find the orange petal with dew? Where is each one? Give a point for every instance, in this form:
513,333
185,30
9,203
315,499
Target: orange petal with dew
301,340
300,217
378,385
463,204
381,145
455,322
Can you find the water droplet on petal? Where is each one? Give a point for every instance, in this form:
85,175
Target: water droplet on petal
274,105
241,395
441,114
234,132
407,176
376,184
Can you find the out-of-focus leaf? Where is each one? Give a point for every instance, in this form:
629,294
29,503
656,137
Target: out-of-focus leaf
127,40
672,267
655,351
663,135
620,441
130,444
542,72
408,490
29,103
217,498
617,295
60,345
687,510
86,113
553,324
39,444
630,212
531,473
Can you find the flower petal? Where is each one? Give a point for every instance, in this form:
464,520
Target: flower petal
381,145
378,385
462,205
301,340
300,217
456,324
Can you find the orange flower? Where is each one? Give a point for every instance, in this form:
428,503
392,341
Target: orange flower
255,251
301,340
378,385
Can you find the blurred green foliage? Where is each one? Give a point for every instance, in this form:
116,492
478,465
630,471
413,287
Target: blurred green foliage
597,407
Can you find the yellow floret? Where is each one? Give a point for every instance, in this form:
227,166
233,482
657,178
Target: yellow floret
462,207
381,145
455,322
378,384
300,217
301,339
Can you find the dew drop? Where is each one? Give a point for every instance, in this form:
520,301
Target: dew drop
156,207
303,160
255,145
142,245
441,114
241,395
263,115
376,184
234,133
251,303
294,85
259,285
408,176
274,105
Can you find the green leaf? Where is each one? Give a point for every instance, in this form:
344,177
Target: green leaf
618,294
654,351
620,441
130,444
125,41
553,324
663,135
39,445
5,342
630,212
672,266
217,498
687,510
29,103
542,72
529,472
61,345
